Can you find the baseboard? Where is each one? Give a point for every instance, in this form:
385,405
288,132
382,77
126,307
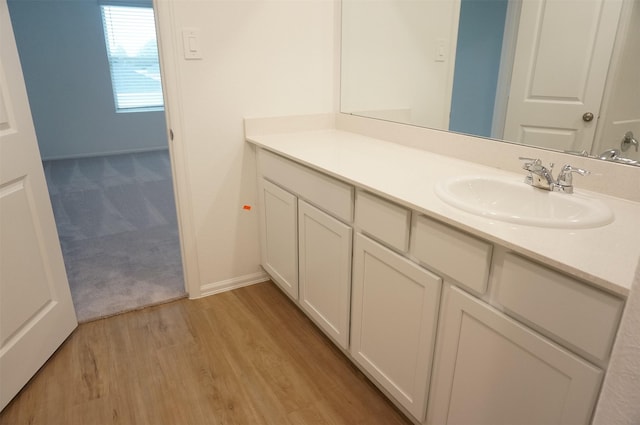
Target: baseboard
109,153
233,283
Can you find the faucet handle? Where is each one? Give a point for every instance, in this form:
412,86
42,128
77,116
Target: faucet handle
565,177
531,163
534,165
568,169
532,160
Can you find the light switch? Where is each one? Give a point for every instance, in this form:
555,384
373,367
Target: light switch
191,43
441,50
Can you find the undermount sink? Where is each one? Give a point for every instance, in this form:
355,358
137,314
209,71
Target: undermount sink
516,202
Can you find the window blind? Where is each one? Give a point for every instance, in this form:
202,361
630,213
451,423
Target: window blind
132,50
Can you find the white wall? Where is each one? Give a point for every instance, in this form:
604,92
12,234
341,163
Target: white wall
619,402
64,62
389,59
260,58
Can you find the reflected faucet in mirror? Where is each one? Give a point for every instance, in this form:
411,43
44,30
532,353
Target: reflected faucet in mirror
555,74
613,155
627,141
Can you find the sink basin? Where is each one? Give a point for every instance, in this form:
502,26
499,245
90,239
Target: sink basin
516,202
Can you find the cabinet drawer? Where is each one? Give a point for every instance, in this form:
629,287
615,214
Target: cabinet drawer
325,192
385,221
569,310
456,254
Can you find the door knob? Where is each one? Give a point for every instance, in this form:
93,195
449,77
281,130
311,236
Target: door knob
588,116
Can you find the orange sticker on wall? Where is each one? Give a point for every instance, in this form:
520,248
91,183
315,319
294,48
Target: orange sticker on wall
246,207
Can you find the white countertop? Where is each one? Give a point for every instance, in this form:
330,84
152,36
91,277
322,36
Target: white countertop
605,256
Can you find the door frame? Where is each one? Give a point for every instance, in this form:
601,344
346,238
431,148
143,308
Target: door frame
507,56
173,110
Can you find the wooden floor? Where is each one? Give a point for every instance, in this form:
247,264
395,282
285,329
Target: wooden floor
247,356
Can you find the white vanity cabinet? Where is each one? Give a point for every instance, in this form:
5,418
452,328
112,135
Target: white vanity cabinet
490,369
306,239
279,236
530,350
394,315
325,271
454,328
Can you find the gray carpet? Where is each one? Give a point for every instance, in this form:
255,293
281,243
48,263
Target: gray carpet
117,225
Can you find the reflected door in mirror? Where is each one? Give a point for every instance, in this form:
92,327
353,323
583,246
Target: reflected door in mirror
559,72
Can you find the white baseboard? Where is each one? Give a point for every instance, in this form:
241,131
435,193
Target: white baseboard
108,153
233,283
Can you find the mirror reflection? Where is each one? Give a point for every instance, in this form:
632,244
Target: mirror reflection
555,74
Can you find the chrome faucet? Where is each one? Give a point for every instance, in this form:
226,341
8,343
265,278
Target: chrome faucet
542,177
539,175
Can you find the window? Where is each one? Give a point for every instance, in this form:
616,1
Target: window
132,51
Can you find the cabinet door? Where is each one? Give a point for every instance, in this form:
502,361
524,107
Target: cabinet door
325,271
490,369
279,236
393,325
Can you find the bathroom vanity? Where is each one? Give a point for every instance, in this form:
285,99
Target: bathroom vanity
456,317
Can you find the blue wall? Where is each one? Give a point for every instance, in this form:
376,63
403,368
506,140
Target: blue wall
477,65
63,55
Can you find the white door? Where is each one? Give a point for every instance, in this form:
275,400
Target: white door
393,327
325,271
562,56
491,370
279,236
36,312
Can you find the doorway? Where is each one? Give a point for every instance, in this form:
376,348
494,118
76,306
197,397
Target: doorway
104,151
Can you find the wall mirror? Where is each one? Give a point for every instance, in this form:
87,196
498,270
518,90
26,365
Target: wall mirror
555,74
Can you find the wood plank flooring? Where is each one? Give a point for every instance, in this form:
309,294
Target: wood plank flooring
247,356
